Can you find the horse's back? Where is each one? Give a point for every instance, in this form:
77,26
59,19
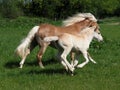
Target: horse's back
46,30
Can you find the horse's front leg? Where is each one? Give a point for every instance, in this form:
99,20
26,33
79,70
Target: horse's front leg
42,50
61,61
91,58
64,56
86,58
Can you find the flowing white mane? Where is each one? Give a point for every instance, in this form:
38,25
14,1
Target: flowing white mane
78,17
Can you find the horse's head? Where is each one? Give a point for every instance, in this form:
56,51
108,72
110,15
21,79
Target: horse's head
97,34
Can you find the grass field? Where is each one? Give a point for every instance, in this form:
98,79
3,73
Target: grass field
105,75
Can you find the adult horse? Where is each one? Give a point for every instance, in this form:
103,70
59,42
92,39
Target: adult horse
72,25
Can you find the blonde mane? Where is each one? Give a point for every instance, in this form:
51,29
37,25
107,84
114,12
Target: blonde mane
79,17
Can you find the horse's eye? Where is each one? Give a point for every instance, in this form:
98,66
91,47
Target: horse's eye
99,33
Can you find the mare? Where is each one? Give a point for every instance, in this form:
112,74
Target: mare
79,43
72,25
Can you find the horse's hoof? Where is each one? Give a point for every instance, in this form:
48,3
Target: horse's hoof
20,67
42,67
80,66
72,74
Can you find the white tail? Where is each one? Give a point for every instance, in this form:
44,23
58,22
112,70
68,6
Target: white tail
51,38
22,49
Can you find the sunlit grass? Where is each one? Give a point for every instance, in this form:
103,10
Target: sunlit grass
101,76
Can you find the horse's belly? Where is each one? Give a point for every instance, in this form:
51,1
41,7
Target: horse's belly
55,45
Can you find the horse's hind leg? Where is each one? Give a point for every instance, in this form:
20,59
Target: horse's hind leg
74,58
24,58
41,52
22,62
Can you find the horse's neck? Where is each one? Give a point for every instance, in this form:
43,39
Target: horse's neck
83,24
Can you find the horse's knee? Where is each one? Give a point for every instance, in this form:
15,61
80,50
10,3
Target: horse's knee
63,56
27,52
39,56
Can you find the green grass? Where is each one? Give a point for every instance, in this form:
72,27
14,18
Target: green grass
105,75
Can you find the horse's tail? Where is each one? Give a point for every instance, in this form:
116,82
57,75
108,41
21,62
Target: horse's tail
23,48
51,38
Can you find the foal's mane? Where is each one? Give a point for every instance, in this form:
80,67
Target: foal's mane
79,17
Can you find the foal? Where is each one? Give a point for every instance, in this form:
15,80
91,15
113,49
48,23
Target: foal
79,43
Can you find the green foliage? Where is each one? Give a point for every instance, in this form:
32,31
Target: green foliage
11,8
106,8
58,9
63,8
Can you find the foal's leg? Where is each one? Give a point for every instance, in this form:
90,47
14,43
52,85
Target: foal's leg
75,61
86,58
64,56
43,48
24,57
91,58
62,62
72,56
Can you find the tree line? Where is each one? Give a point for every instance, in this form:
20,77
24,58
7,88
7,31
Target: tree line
58,9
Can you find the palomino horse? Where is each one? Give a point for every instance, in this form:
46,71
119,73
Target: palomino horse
72,25
79,43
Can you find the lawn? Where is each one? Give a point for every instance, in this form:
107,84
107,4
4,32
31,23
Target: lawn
105,75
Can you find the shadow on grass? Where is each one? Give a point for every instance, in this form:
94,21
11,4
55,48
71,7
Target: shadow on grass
46,71
11,64
50,71
15,64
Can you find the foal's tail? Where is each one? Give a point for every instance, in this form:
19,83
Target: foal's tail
23,48
51,38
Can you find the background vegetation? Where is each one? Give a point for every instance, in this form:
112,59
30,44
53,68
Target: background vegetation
59,9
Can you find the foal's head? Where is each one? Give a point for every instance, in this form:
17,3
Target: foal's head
97,34
92,31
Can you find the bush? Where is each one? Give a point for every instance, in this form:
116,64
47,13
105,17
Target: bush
11,9
59,9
